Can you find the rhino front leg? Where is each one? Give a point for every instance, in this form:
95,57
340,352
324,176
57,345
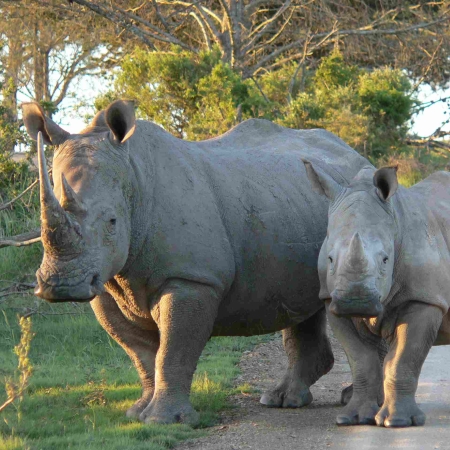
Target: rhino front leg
362,355
140,345
347,392
185,313
309,357
415,332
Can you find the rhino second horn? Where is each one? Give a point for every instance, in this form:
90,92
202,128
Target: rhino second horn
356,256
69,199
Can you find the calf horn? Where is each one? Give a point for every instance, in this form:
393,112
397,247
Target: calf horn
59,233
356,256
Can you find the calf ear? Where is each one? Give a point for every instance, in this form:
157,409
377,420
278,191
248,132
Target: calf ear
121,120
35,121
321,182
385,180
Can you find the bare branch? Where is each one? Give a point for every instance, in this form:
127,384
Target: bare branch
11,202
21,240
426,105
102,11
202,24
165,37
364,31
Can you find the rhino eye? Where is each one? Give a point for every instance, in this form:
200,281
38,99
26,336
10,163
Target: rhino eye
113,221
330,259
385,260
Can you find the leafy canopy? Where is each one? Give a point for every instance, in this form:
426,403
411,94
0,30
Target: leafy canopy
199,96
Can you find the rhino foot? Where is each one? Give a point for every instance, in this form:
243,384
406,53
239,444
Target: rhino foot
287,398
165,411
400,416
135,411
354,414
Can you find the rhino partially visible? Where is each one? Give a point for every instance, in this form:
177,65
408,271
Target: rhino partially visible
176,241
384,272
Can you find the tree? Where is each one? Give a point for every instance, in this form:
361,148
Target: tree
255,36
199,96
44,51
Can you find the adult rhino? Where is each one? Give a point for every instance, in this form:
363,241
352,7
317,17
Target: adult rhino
175,241
384,272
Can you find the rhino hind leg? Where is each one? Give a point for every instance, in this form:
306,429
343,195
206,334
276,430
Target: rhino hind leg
140,345
309,357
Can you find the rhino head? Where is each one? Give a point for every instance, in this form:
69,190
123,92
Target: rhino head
85,221
356,260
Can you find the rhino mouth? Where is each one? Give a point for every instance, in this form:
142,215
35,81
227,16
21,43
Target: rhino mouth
84,291
366,306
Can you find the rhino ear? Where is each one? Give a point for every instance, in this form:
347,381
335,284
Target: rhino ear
321,182
35,121
121,120
385,180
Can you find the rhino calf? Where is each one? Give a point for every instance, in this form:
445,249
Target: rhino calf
384,272
175,241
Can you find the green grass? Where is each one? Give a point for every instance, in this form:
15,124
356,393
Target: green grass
83,383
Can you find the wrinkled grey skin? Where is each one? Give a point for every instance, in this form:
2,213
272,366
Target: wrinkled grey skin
178,241
384,272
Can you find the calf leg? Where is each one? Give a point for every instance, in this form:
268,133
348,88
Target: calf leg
415,332
140,345
347,392
309,357
362,355
185,314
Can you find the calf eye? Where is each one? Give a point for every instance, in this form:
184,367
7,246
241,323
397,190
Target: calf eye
113,221
385,260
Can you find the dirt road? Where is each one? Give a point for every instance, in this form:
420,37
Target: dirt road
252,426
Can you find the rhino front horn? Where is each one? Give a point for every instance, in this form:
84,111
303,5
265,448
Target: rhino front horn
59,233
356,255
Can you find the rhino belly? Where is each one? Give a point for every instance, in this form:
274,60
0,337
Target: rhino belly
272,291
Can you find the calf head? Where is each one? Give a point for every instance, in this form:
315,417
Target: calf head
85,221
356,260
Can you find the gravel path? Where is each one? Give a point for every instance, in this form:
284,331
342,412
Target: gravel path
249,425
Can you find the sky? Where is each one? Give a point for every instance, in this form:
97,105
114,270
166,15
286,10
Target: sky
426,122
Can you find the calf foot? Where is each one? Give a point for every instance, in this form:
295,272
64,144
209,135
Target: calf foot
358,413
167,410
400,416
287,396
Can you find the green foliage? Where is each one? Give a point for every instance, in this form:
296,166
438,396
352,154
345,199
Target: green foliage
334,73
368,110
194,97
197,97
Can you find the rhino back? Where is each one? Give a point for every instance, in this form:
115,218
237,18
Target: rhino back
237,212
